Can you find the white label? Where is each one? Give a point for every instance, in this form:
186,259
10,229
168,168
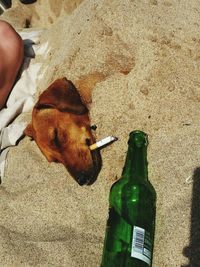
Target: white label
141,245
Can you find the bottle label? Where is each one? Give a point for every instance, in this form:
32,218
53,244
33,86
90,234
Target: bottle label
141,245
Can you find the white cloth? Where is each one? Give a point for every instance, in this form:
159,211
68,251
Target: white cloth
21,98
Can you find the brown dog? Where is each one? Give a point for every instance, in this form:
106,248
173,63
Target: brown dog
61,128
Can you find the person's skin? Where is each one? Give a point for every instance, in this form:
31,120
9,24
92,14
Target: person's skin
11,57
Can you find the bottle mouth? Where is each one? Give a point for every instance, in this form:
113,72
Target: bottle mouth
138,138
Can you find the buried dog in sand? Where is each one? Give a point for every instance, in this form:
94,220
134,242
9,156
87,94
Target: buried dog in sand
61,128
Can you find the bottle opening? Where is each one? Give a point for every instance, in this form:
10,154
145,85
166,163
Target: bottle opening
138,138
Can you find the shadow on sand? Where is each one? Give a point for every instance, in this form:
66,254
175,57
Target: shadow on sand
192,252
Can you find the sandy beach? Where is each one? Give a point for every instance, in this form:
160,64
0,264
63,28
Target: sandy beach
136,65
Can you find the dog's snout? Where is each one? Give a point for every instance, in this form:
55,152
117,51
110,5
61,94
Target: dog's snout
86,177
82,178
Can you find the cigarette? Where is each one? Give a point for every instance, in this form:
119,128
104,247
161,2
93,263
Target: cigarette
2,6
103,142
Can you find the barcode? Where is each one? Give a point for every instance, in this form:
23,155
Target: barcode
139,245
138,239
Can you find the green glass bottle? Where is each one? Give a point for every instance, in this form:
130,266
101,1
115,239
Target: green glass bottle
132,200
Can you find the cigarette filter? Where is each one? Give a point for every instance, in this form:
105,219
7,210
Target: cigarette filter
103,142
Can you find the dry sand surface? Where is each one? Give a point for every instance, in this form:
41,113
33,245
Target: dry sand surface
142,59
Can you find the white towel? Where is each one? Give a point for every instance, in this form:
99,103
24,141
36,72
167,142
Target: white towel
21,98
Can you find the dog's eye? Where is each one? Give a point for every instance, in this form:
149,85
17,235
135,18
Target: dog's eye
93,127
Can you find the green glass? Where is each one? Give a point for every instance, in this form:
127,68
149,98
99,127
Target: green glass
132,208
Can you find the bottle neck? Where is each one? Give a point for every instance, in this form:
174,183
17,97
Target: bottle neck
135,169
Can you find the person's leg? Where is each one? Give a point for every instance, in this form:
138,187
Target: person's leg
11,57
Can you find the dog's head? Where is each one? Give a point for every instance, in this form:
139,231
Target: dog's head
61,128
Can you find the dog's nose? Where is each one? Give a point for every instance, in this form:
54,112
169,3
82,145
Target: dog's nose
86,177
82,178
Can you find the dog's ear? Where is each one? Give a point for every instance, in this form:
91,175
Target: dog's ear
62,95
29,131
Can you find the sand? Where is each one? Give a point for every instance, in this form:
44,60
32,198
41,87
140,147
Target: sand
137,66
